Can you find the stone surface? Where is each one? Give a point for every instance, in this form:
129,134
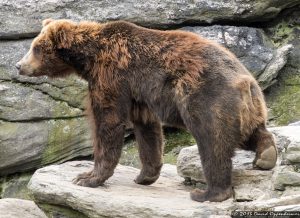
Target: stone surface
26,145
271,204
16,208
295,207
120,197
295,124
19,103
288,141
149,13
268,77
286,176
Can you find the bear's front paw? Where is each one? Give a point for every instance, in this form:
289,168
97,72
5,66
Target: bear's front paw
205,195
88,179
267,159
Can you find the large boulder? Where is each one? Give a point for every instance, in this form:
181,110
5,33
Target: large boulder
17,208
121,197
30,145
148,13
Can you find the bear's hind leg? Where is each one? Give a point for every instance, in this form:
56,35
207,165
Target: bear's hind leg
216,148
263,143
150,145
217,169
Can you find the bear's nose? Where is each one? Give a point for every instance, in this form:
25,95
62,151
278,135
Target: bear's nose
18,66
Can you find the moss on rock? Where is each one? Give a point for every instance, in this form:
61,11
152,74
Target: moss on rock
284,102
15,186
284,98
60,212
65,135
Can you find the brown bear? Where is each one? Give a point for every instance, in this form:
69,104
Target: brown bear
149,77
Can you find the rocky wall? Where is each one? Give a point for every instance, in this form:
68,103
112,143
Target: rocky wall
42,120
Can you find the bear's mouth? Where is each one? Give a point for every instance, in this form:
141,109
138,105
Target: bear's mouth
31,74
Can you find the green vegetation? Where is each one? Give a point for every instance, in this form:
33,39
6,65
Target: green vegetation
177,138
285,100
15,186
283,33
174,141
60,211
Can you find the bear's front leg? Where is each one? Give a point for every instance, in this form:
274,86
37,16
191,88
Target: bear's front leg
150,144
109,132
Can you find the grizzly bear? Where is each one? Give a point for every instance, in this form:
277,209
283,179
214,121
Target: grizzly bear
149,77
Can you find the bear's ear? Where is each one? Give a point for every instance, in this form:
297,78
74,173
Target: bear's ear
64,34
47,21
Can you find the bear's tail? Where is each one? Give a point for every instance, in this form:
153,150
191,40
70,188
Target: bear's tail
253,110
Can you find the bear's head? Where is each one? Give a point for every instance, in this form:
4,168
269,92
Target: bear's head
44,56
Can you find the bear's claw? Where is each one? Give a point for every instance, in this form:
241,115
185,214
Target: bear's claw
88,179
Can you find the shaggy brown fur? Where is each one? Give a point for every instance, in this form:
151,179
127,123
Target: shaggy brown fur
147,77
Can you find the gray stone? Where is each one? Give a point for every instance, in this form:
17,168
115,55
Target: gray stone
285,176
290,190
295,207
247,43
272,203
17,208
295,124
19,103
268,77
29,145
149,13
120,196
288,141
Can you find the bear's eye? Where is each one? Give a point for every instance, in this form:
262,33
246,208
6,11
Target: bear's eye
36,50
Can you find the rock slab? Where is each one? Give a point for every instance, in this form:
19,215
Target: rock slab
120,196
148,13
17,208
